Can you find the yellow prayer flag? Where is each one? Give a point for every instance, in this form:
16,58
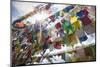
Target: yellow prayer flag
73,19
77,24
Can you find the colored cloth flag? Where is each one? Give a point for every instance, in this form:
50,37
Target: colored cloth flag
67,9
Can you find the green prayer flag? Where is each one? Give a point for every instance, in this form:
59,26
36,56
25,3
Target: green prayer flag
68,27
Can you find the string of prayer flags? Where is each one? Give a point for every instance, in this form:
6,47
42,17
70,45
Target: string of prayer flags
56,34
